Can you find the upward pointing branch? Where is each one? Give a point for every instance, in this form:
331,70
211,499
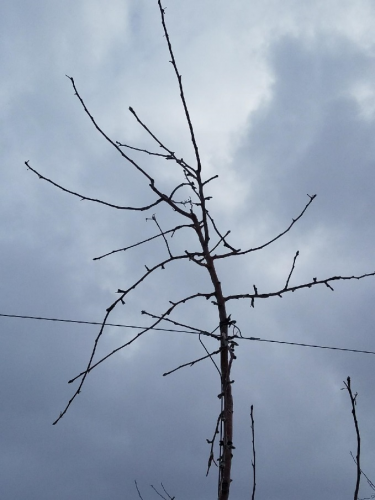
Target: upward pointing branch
192,134
140,169
182,94
353,400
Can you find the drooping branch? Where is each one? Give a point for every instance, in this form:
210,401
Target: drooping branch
87,198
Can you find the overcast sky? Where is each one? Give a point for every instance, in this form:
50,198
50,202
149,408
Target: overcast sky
282,99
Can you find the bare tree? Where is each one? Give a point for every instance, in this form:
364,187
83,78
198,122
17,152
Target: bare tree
208,245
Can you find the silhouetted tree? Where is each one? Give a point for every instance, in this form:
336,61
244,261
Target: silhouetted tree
207,246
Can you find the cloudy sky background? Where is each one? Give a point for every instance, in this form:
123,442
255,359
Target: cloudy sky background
282,98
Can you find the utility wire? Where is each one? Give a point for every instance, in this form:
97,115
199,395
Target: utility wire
257,339
91,323
308,345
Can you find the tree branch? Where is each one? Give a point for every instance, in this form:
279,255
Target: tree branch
239,252
90,366
171,155
211,458
253,441
151,153
143,241
139,493
291,271
100,130
86,198
182,93
294,288
353,400
196,331
161,234
191,363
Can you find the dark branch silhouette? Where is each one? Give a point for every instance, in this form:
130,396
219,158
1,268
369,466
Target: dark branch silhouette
253,463
83,197
205,238
353,400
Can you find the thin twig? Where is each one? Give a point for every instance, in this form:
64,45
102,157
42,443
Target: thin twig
210,179
151,153
101,131
171,155
353,400
191,363
87,198
162,233
369,482
166,492
222,238
139,493
239,252
291,271
213,361
253,441
196,331
150,328
142,242
182,93
91,366
156,491
190,125
163,196
211,458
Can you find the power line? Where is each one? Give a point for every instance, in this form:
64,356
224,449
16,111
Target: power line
257,339
308,345
90,323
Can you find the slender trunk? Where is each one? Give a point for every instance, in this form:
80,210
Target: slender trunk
226,390
226,358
